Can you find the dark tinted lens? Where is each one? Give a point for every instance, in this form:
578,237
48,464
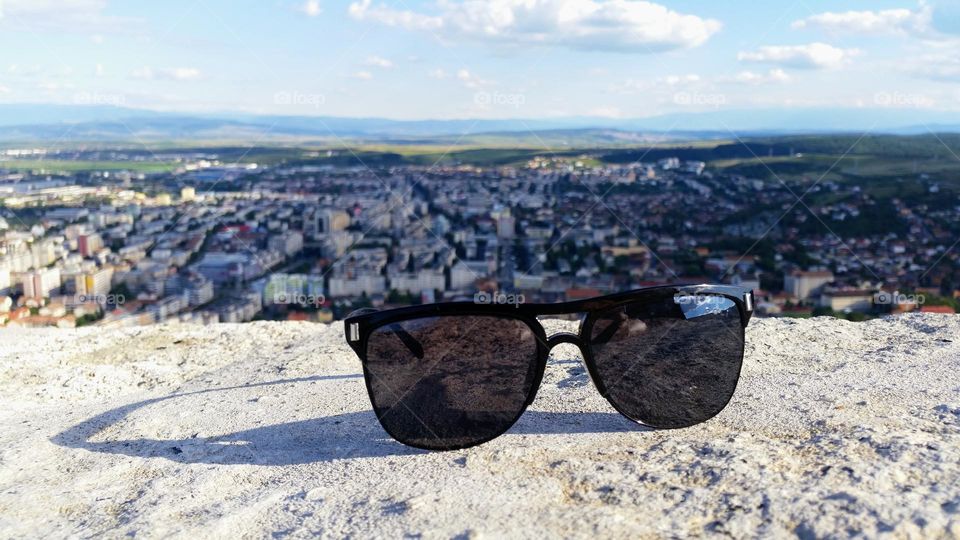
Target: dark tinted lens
669,363
448,382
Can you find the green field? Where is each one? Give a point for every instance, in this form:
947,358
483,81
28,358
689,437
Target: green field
886,164
882,176
71,166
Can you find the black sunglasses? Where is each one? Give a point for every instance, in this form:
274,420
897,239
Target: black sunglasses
455,375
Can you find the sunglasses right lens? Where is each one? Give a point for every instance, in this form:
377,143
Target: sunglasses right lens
442,383
671,362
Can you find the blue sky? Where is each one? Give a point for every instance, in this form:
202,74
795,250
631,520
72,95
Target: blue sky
415,59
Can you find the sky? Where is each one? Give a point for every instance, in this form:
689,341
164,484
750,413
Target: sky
444,59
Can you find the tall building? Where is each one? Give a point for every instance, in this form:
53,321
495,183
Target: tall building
289,243
188,194
41,283
200,291
43,253
506,226
357,285
419,282
806,285
96,283
195,287
88,244
334,220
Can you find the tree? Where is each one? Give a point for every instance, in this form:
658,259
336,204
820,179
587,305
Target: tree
822,311
121,290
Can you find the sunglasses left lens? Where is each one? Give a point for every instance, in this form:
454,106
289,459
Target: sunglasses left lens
450,382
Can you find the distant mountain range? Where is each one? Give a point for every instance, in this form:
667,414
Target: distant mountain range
66,123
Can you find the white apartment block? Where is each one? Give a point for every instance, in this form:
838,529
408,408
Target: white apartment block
806,285
368,284
417,283
41,283
96,283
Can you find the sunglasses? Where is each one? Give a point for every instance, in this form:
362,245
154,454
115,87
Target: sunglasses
454,375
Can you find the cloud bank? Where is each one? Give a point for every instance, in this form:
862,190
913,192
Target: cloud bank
627,25
812,56
891,21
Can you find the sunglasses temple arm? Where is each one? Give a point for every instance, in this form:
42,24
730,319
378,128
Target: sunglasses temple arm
411,342
608,332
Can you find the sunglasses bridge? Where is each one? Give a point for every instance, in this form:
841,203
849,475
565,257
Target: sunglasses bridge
575,340
566,337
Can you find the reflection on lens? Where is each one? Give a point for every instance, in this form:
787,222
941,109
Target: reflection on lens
671,362
449,382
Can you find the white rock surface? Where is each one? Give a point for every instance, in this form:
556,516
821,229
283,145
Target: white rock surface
837,429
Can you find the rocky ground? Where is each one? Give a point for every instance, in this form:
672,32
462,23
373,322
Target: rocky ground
837,429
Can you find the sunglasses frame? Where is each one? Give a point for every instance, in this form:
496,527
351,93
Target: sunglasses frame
362,323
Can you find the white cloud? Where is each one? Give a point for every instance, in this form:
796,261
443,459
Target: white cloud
63,15
812,56
629,87
363,75
172,74
437,74
51,87
5,89
606,112
890,21
673,80
470,80
99,71
637,26
930,54
364,10
938,61
144,73
311,8
181,73
634,86
773,76
27,71
376,61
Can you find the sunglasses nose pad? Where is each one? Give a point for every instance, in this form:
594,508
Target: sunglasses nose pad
577,341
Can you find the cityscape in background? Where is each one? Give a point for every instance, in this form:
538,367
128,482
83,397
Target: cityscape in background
120,237
165,162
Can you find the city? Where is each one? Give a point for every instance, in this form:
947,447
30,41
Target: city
191,236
